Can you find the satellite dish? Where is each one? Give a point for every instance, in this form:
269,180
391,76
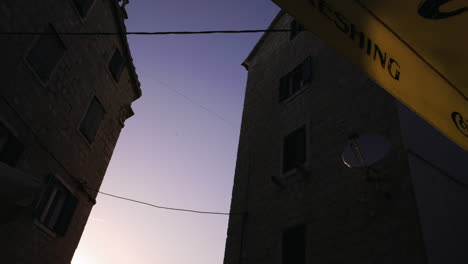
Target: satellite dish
363,151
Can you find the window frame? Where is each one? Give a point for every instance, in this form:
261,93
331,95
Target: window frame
51,29
80,129
288,234
55,217
77,9
286,170
290,84
123,65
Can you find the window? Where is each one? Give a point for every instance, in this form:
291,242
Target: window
116,65
295,80
294,245
295,28
10,147
83,6
90,124
56,207
46,54
294,149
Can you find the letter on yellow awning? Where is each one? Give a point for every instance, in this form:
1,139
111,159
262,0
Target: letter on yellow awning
416,49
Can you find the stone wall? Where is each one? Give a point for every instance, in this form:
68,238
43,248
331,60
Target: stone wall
46,116
349,219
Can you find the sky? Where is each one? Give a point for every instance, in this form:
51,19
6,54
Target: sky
179,150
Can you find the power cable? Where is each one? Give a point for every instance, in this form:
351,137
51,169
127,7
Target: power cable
164,207
19,33
220,117
438,169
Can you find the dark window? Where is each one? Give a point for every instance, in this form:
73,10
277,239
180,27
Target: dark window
294,245
10,147
295,80
83,6
56,207
90,124
45,55
295,28
294,149
116,65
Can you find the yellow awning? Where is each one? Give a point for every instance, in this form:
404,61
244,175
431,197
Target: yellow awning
416,49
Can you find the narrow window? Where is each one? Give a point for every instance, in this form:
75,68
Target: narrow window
10,147
294,149
83,6
46,54
56,207
90,124
295,80
294,245
295,28
116,65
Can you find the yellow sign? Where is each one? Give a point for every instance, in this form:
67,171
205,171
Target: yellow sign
416,49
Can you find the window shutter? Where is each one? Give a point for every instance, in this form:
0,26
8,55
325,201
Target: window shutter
55,209
293,28
288,153
300,147
90,124
83,6
284,88
66,215
297,78
307,69
116,65
45,196
46,53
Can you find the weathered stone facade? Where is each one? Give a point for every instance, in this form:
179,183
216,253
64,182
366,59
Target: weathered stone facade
348,218
45,116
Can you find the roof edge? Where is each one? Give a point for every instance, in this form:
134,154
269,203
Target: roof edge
257,46
119,15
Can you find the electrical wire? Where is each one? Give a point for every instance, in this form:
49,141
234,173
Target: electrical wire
205,32
163,207
176,91
438,169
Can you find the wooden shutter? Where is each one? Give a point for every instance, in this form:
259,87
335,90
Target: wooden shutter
45,195
83,6
66,215
90,124
293,28
300,146
116,65
288,153
307,69
284,88
45,54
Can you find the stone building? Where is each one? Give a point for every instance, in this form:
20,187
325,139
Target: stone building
294,199
63,102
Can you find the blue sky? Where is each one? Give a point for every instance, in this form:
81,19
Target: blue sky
176,151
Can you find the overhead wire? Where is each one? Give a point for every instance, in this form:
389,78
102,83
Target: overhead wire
438,169
163,207
204,32
176,91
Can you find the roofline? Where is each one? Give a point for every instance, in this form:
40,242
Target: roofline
120,14
257,46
